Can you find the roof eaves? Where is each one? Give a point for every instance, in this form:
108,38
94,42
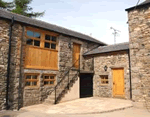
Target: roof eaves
138,6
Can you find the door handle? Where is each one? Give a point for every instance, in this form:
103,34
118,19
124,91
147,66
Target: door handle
113,83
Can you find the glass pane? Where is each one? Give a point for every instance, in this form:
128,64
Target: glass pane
36,43
45,82
53,46
107,82
30,33
29,42
47,37
47,45
34,83
46,77
51,77
51,82
28,76
53,38
34,77
37,35
28,84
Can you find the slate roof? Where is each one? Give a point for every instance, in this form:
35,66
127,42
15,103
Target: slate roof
110,48
146,2
41,24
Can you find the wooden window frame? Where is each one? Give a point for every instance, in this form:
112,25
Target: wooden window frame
104,79
32,80
48,80
42,38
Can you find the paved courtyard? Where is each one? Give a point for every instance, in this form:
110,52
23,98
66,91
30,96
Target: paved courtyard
82,106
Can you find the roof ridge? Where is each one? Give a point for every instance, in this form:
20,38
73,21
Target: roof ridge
34,19
114,44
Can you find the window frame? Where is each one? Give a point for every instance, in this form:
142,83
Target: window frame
104,79
31,80
48,80
42,38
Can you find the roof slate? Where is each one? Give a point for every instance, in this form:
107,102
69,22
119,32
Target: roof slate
110,48
47,26
146,2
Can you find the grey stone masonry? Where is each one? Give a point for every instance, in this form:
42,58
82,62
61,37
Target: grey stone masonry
4,30
139,32
111,60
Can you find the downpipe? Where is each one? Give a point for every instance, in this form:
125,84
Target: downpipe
8,65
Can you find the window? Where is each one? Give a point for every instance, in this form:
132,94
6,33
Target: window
49,79
31,80
104,79
50,42
33,38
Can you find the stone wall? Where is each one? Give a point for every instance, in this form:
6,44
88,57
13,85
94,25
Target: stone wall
14,63
4,31
38,94
139,32
112,60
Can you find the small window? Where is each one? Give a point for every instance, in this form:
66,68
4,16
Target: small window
53,46
29,41
30,33
36,43
53,38
31,80
37,35
47,45
49,79
47,37
104,79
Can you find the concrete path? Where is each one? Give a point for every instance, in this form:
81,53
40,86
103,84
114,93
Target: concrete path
82,106
130,112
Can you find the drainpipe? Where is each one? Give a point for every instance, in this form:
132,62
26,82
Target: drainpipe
8,65
130,74
20,77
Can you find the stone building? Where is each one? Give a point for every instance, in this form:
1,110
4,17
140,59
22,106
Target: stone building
111,67
42,56
139,33
45,63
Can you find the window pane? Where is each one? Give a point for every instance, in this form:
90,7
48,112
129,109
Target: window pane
51,77
30,33
53,46
45,82
29,42
47,45
28,84
28,76
46,77
37,35
36,43
53,38
34,77
34,83
47,37
51,82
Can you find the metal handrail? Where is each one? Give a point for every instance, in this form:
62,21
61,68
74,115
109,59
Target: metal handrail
67,73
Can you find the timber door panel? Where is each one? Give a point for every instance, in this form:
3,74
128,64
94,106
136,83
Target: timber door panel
76,55
118,82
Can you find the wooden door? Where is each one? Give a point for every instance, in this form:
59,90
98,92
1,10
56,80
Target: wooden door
76,55
118,82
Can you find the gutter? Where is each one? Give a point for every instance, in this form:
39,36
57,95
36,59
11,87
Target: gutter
130,74
8,65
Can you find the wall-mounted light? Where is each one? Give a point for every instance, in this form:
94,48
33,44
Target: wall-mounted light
69,45
105,68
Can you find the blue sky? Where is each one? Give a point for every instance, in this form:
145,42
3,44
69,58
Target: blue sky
91,17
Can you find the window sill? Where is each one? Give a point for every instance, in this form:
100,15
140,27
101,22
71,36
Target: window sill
31,87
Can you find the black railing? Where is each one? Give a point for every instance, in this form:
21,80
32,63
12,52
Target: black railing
66,73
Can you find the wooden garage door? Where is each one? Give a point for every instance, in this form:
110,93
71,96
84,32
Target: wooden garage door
76,55
118,82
